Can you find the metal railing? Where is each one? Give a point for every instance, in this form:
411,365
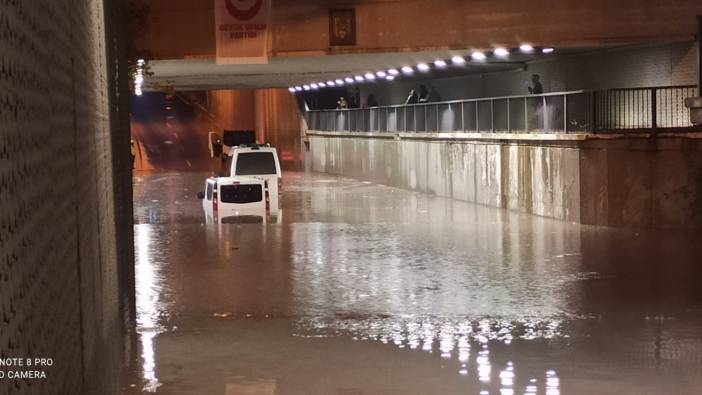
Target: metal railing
643,108
574,111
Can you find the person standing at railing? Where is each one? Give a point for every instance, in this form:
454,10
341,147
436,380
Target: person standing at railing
536,121
536,88
423,94
355,98
412,98
342,104
428,96
433,95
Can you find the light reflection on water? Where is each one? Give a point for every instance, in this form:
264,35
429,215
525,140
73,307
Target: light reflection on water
465,287
149,305
453,338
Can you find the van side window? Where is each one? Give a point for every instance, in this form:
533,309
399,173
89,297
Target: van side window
208,193
252,163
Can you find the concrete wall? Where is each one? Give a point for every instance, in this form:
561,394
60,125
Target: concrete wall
635,66
302,26
65,233
278,122
232,110
601,182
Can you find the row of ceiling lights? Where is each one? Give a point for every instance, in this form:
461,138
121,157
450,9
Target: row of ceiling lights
391,74
139,77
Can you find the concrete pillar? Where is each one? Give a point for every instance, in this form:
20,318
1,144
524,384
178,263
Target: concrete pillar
231,110
278,123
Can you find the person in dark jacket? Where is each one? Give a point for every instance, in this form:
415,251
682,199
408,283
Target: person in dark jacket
423,94
412,98
536,88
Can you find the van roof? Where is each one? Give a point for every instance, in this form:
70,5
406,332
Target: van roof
239,179
249,148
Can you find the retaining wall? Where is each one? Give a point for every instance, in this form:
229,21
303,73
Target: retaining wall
613,181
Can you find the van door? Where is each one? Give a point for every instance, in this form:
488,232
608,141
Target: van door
207,202
262,165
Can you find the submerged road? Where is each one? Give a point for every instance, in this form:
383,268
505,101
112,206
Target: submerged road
364,289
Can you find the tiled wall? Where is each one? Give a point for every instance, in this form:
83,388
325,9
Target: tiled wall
59,271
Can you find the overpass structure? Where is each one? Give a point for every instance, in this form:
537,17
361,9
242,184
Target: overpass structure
180,35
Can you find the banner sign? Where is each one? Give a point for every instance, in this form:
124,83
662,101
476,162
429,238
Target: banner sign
242,28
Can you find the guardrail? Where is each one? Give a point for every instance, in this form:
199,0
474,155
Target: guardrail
564,112
643,108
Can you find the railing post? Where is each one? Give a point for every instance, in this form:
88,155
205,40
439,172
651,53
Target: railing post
593,112
565,113
654,109
526,116
414,117
404,117
543,113
509,114
492,116
387,121
477,124
437,118
463,117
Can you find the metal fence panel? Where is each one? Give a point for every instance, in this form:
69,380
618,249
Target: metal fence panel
578,111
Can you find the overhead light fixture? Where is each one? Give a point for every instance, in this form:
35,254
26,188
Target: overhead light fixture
423,67
348,80
477,55
501,52
407,70
390,77
381,74
322,84
358,78
440,63
458,60
393,72
526,48
306,87
298,88
370,76
339,82
291,90
331,83
547,50
314,86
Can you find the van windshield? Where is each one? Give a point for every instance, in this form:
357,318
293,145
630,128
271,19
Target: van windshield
250,163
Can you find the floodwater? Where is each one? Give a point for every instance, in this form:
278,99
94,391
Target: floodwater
364,289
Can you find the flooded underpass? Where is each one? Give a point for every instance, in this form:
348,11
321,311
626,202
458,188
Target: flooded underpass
358,288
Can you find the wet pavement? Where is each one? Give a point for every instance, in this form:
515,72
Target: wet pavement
364,289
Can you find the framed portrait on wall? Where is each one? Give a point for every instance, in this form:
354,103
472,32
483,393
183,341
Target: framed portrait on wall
342,27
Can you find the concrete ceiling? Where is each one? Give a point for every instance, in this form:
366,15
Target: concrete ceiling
206,74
